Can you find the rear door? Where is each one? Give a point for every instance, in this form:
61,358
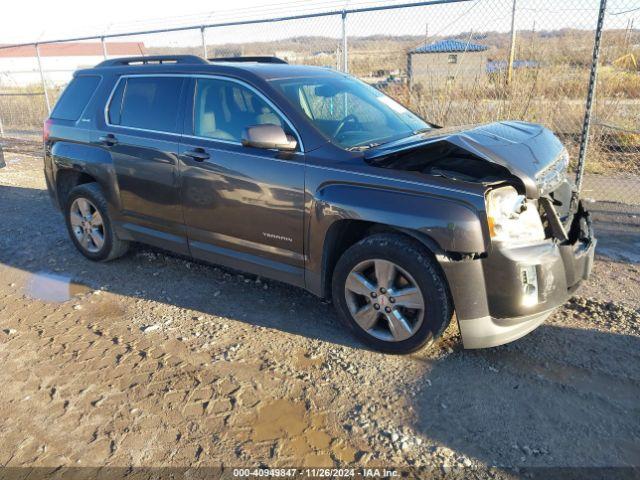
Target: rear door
243,206
141,132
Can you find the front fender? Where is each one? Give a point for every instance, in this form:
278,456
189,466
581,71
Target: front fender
452,225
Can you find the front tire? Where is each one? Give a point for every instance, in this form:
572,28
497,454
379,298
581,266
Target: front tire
89,224
390,292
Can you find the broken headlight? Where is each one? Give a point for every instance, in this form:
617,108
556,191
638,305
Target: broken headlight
512,219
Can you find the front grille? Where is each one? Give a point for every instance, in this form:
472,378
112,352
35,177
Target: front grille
553,175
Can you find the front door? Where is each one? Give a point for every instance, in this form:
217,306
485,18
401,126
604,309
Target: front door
243,206
142,134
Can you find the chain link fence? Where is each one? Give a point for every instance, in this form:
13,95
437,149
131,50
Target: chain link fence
451,61
614,148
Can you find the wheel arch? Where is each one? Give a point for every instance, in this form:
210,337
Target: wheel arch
343,234
75,164
342,213
67,179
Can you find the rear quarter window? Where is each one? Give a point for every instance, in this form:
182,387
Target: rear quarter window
149,103
75,97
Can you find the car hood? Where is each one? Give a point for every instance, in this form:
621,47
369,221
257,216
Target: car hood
530,152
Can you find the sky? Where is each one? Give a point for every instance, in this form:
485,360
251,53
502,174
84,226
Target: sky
29,20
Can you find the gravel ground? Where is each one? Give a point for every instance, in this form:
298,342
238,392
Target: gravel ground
154,360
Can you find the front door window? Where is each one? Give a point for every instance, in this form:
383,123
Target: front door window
223,109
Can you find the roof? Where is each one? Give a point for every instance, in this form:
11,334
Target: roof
265,71
450,46
75,49
274,71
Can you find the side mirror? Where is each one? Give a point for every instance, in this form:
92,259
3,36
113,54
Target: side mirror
268,136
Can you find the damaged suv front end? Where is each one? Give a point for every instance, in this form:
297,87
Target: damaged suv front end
541,243
534,264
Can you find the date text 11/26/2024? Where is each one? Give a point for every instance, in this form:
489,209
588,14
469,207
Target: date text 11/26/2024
315,472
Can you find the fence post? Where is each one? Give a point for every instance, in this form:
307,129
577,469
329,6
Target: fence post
204,43
591,94
410,70
104,47
44,83
345,46
512,46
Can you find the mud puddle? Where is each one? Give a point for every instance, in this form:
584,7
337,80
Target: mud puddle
300,433
50,287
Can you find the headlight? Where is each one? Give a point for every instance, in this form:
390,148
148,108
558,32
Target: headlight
512,218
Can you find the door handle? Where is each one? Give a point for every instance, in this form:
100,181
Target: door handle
198,154
108,140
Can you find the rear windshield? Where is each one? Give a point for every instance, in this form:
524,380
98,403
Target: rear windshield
75,97
150,103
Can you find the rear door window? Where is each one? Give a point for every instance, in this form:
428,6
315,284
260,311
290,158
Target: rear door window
149,103
75,97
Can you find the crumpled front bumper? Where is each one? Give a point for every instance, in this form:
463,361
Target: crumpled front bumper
488,292
490,332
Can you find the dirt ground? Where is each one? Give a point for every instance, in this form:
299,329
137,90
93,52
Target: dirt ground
153,360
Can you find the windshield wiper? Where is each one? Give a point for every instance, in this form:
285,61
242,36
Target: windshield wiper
367,146
361,148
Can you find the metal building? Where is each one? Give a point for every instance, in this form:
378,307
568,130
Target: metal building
445,60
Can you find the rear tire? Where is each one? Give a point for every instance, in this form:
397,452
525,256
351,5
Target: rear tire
89,225
390,292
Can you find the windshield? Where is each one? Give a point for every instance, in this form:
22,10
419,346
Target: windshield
349,112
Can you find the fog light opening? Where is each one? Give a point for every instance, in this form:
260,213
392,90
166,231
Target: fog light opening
529,279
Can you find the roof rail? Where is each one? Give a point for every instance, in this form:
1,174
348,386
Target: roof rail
159,59
248,59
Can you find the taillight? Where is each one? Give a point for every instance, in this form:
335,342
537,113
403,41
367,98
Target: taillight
46,129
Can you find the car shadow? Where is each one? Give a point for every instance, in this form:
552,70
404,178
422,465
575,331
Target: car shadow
505,400
617,228
545,402
38,243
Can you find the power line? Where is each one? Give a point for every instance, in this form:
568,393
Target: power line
625,11
350,10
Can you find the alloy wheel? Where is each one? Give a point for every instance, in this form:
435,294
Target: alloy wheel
384,300
87,225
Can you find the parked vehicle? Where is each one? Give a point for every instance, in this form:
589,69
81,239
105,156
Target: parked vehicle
309,176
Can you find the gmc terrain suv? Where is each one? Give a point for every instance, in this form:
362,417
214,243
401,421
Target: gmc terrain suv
313,178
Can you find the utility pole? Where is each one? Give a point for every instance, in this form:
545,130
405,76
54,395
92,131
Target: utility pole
533,39
628,35
426,34
512,48
104,47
